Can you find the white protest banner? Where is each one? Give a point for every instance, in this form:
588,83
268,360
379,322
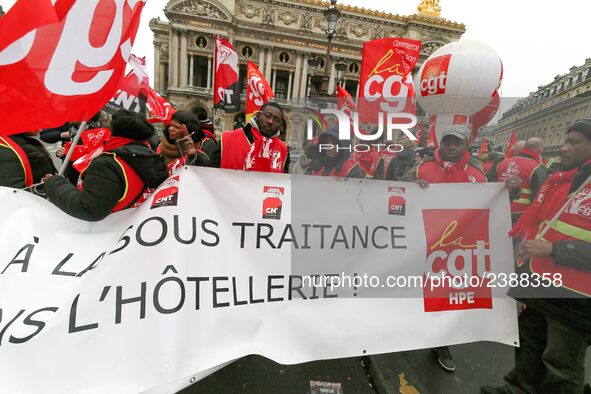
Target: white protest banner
216,265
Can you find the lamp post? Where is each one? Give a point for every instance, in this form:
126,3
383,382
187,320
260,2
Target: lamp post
313,63
340,66
331,16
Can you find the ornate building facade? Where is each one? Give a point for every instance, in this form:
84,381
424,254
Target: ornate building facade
279,36
547,112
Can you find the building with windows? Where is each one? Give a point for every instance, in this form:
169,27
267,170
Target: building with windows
279,36
547,112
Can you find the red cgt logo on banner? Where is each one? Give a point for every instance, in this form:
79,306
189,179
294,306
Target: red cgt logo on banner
67,70
457,249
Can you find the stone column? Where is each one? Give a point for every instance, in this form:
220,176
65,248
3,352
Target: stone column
331,84
304,81
289,89
191,68
157,76
268,64
298,72
173,58
274,78
184,59
209,71
261,57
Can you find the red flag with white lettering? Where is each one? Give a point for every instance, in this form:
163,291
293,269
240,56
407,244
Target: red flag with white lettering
386,82
225,83
68,70
133,91
483,147
258,90
159,107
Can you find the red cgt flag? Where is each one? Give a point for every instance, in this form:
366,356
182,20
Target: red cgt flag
386,82
225,83
512,141
133,91
258,91
483,147
159,107
66,70
432,137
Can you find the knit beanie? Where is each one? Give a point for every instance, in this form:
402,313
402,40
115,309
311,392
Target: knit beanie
583,126
132,125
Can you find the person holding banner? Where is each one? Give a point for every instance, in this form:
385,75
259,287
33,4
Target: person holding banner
121,177
452,164
256,146
332,159
555,327
23,160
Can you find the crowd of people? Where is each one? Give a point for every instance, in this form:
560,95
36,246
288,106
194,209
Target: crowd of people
555,329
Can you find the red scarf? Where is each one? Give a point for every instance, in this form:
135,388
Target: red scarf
117,142
542,208
454,172
530,153
265,153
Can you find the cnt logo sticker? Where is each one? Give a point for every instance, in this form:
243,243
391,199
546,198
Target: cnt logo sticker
272,203
397,202
458,256
168,195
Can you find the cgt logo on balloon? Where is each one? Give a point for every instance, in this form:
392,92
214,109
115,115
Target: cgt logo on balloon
434,76
458,256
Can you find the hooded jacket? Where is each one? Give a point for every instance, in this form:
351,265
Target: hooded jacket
104,182
12,169
341,166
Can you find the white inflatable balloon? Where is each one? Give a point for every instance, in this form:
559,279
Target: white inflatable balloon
459,78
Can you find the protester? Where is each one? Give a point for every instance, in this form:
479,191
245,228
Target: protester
256,146
403,162
183,124
492,159
555,328
517,147
23,160
306,157
121,177
452,164
527,166
332,161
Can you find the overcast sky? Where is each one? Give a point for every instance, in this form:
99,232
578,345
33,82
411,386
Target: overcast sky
536,40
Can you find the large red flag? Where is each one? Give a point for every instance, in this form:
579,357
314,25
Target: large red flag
386,82
258,91
482,117
420,132
225,82
512,141
432,137
483,147
134,89
68,70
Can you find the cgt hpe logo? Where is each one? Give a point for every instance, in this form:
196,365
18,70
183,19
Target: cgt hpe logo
457,253
272,204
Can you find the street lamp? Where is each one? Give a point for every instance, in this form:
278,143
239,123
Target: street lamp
313,63
331,16
341,66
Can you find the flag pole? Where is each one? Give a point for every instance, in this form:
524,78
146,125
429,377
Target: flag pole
71,150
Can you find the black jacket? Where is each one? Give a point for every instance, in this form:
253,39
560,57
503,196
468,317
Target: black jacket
104,182
12,173
400,165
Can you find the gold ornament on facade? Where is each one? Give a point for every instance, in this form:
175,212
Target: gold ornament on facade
358,30
288,18
249,11
430,7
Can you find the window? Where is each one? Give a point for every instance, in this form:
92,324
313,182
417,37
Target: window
200,64
282,84
351,87
242,77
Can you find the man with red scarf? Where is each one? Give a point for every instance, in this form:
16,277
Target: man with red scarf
121,177
527,166
256,146
555,327
452,164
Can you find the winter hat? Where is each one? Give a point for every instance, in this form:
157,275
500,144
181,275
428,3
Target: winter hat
132,125
583,126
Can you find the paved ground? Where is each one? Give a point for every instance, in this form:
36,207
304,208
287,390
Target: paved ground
405,372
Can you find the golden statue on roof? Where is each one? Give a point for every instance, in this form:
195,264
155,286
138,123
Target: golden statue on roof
429,7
